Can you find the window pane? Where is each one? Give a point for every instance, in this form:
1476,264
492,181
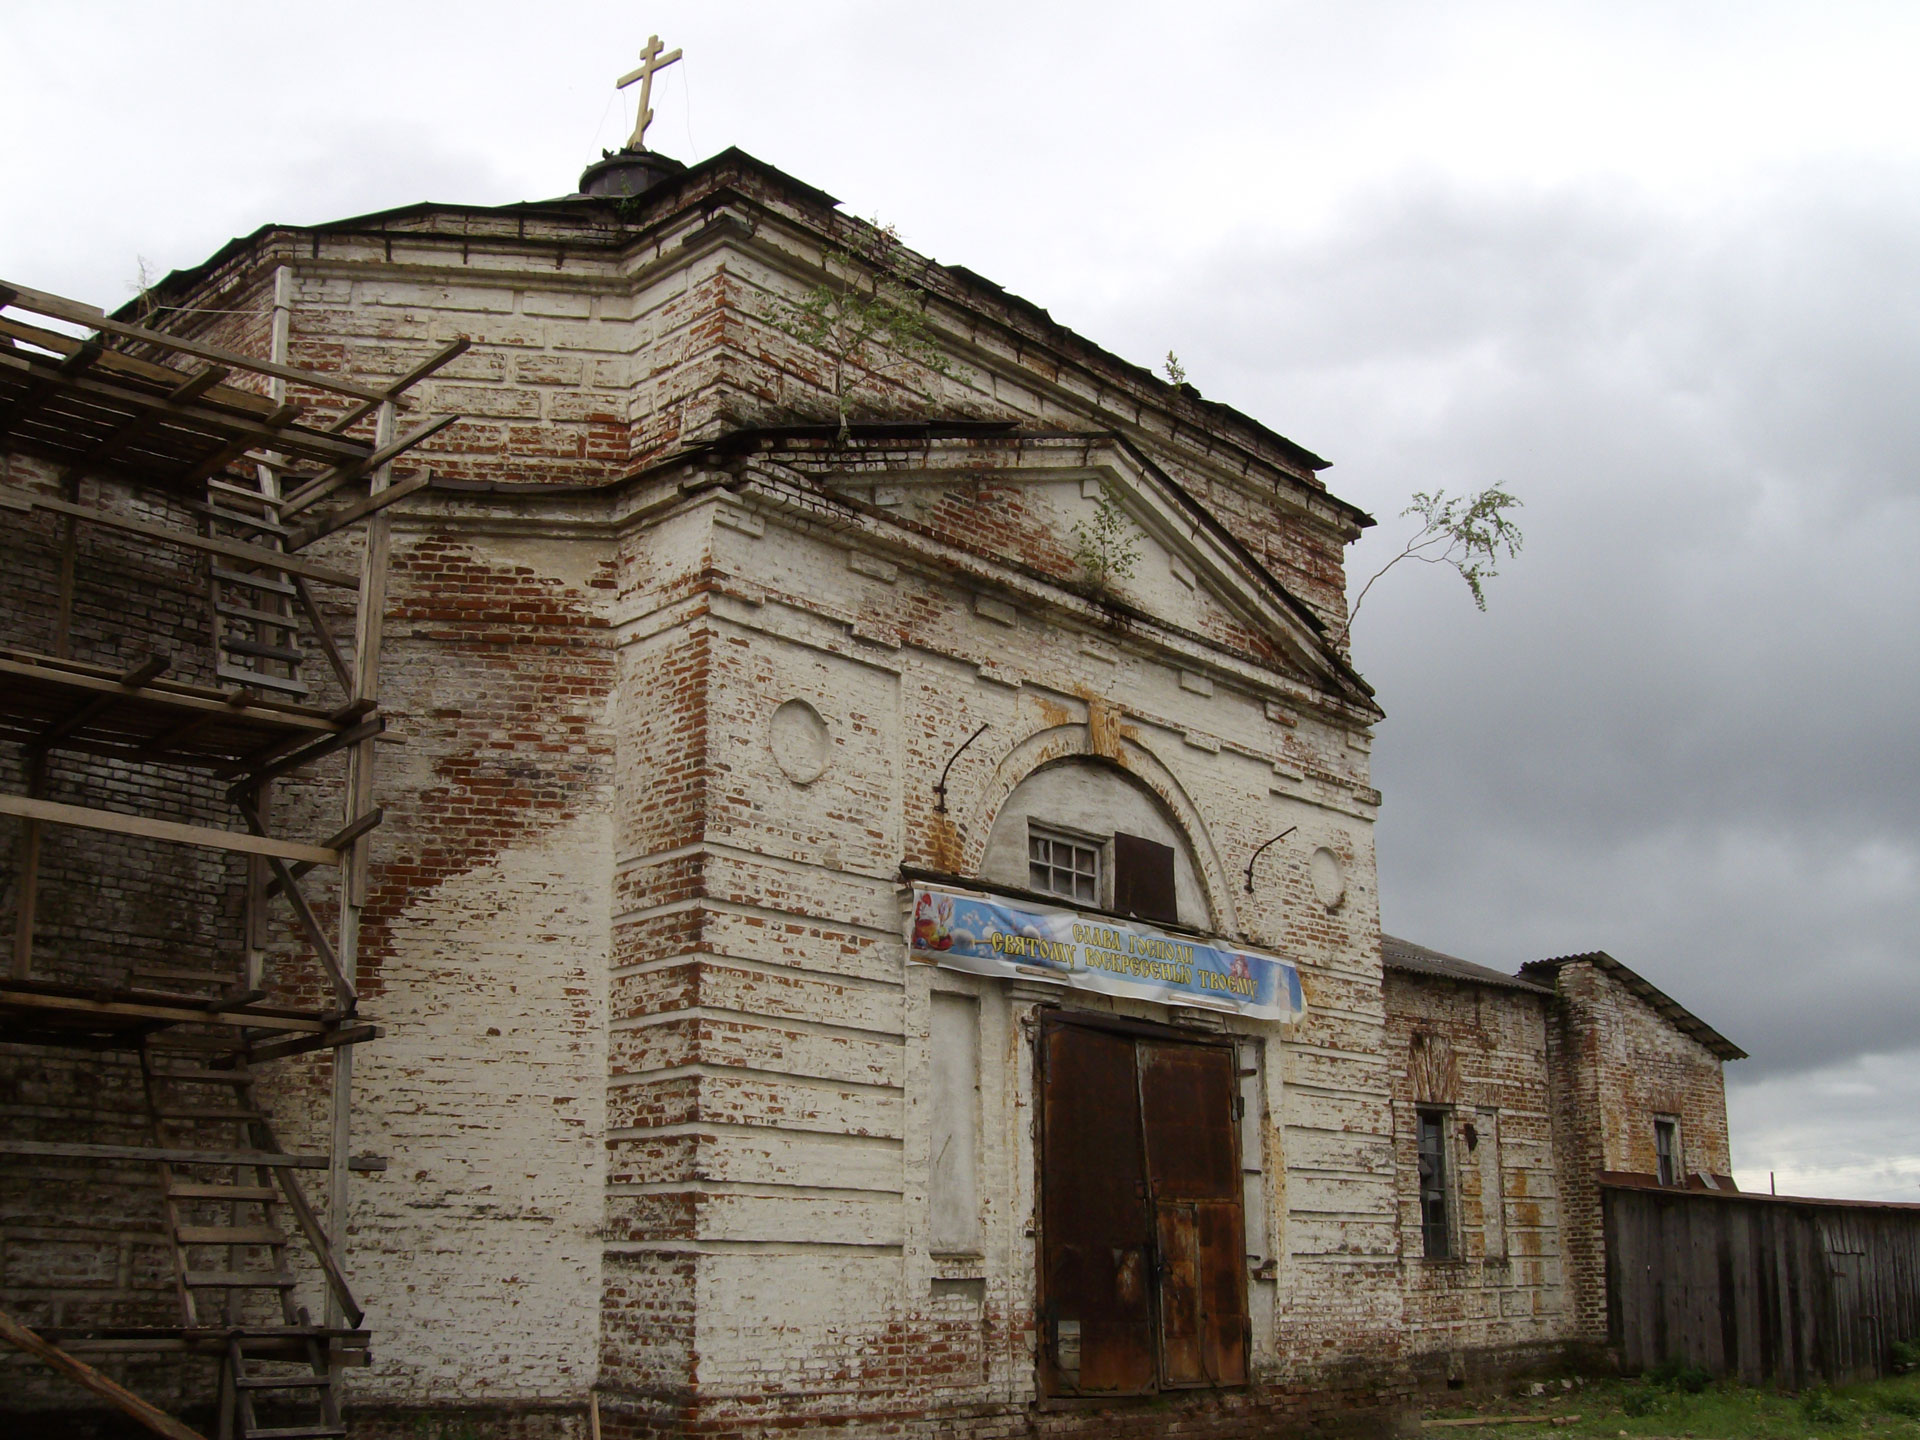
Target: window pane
1434,1228
1060,865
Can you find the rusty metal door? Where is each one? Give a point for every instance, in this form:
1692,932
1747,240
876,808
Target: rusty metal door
1187,1095
1143,1269
1096,1236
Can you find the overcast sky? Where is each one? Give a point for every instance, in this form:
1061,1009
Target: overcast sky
1655,267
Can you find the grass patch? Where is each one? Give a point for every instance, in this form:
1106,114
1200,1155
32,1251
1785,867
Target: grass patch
1679,1403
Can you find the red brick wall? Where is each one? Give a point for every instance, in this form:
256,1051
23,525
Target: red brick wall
1615,1064
1479,1053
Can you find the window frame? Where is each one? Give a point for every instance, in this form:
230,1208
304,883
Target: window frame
1100,847
1669,1168
1441,1191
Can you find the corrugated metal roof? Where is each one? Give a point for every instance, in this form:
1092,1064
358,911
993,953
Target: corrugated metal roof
1412,959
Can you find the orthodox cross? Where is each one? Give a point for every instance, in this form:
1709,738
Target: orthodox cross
650,60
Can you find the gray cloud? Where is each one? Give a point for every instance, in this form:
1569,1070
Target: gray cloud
1684,731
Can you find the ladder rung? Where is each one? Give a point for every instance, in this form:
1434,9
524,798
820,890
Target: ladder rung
252,582
259,617
289,1382
179,1113
240,646
240,1280
297,1432
254,677
195,1190
228,1235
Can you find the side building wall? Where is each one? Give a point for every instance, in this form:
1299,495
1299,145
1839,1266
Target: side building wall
1616,1065
1477,1055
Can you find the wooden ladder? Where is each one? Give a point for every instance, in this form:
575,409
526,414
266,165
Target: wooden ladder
255,628
297,1396
224,1224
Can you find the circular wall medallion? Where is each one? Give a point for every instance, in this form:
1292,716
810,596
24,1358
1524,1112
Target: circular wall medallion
801,742
1329,878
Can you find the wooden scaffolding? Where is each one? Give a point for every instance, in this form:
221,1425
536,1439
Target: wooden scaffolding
215,461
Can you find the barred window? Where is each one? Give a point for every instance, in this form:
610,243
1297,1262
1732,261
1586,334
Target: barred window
1062,864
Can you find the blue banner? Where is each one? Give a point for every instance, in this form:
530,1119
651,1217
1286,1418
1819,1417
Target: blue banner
1091,952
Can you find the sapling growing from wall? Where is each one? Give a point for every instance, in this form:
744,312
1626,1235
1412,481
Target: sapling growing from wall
1466,532
1107,549
862,317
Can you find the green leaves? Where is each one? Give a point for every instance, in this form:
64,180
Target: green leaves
1468,532
1472,529
1107,550
861,317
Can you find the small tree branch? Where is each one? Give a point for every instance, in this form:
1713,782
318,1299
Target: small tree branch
1471,531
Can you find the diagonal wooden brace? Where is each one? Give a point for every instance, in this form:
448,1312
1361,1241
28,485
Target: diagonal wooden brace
309,924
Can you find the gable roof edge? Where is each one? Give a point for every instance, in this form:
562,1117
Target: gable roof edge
1656,999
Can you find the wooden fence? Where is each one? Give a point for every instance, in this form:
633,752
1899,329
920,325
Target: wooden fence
1785,1290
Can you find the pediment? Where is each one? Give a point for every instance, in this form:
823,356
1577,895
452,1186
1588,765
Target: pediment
1038,503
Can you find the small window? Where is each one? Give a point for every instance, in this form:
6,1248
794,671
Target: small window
1434,1226
1061,864
1666,1150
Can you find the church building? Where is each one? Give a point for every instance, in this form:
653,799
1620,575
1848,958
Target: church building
866,919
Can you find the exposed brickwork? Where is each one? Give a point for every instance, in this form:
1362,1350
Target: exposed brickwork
1616,1064
655,1086
1478,1054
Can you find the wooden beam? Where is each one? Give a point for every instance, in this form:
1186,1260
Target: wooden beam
151,1416
183,394
93,709
355,828
27,890
207,837
338,841
44,380
194,1012
281,1047
235,704
351,470
316,444
358,510
74,313
309,922
406,382
316,1237
157,1155
121,363
233,450
329,645
186,539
